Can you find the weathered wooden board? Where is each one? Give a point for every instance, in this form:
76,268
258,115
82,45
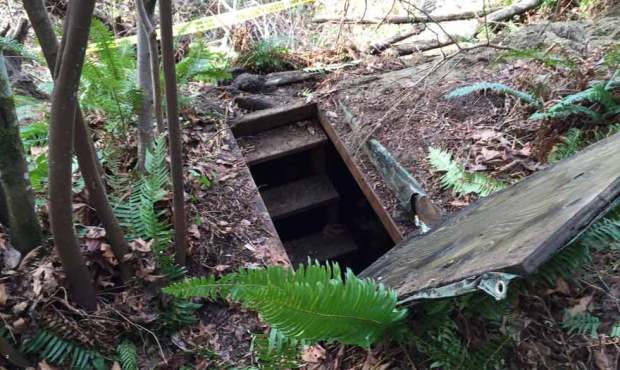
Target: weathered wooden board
361,180
280,142
515,230
298,196
321,246
266,119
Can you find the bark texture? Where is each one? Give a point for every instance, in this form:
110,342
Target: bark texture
21,217
84,148
147,23
63,112
145,84
174,130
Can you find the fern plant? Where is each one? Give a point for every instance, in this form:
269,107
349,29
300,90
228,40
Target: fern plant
108,79
127,355
461,182
312,303
570,105
497,88
139,214
57,350
266,56
201,64
284,355
582,323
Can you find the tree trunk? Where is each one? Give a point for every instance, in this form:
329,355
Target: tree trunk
147,23
174,130
85,150
63,113
22,219
145,84
4,213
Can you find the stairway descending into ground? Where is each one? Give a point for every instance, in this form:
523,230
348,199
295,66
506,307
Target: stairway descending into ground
287,157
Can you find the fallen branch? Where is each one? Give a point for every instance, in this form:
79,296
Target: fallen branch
379,46
288,77
406,19
406,188
493,17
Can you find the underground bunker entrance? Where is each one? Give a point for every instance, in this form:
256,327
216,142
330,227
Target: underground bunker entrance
316,205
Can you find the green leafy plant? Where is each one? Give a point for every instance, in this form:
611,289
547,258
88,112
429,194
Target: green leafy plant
494,87
127,355
57,350
569,105
571,143
266,56
284,355
139,214
461,182
615,331
350,310
201,64
582,323
108,79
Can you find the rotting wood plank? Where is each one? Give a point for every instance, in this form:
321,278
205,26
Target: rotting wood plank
281,141
322,246
266,119
515,230
360,178
298,196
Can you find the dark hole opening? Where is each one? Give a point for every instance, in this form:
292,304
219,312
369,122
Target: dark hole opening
345,229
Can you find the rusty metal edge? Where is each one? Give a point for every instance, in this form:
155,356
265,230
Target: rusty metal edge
359,177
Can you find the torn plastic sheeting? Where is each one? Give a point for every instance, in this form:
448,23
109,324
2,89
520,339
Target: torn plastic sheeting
493,283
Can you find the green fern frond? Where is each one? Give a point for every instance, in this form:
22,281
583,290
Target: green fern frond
127,354
564,111
495,87
461,182
34,134
268,357
201,64
569,104
14,47
350,311
266,56
108,79
59,351
582,323
565,264
571,143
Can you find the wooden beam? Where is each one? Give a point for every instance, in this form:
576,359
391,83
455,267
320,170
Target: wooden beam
360,178
515,230
266,119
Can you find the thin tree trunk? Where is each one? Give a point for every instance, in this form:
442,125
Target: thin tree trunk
24,226
145,85
63,112
174,130
4,213
146,22
84,148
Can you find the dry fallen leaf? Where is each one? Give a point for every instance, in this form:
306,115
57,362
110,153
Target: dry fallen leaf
3,295
43,365
43,279
313,354
116,366
582,306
